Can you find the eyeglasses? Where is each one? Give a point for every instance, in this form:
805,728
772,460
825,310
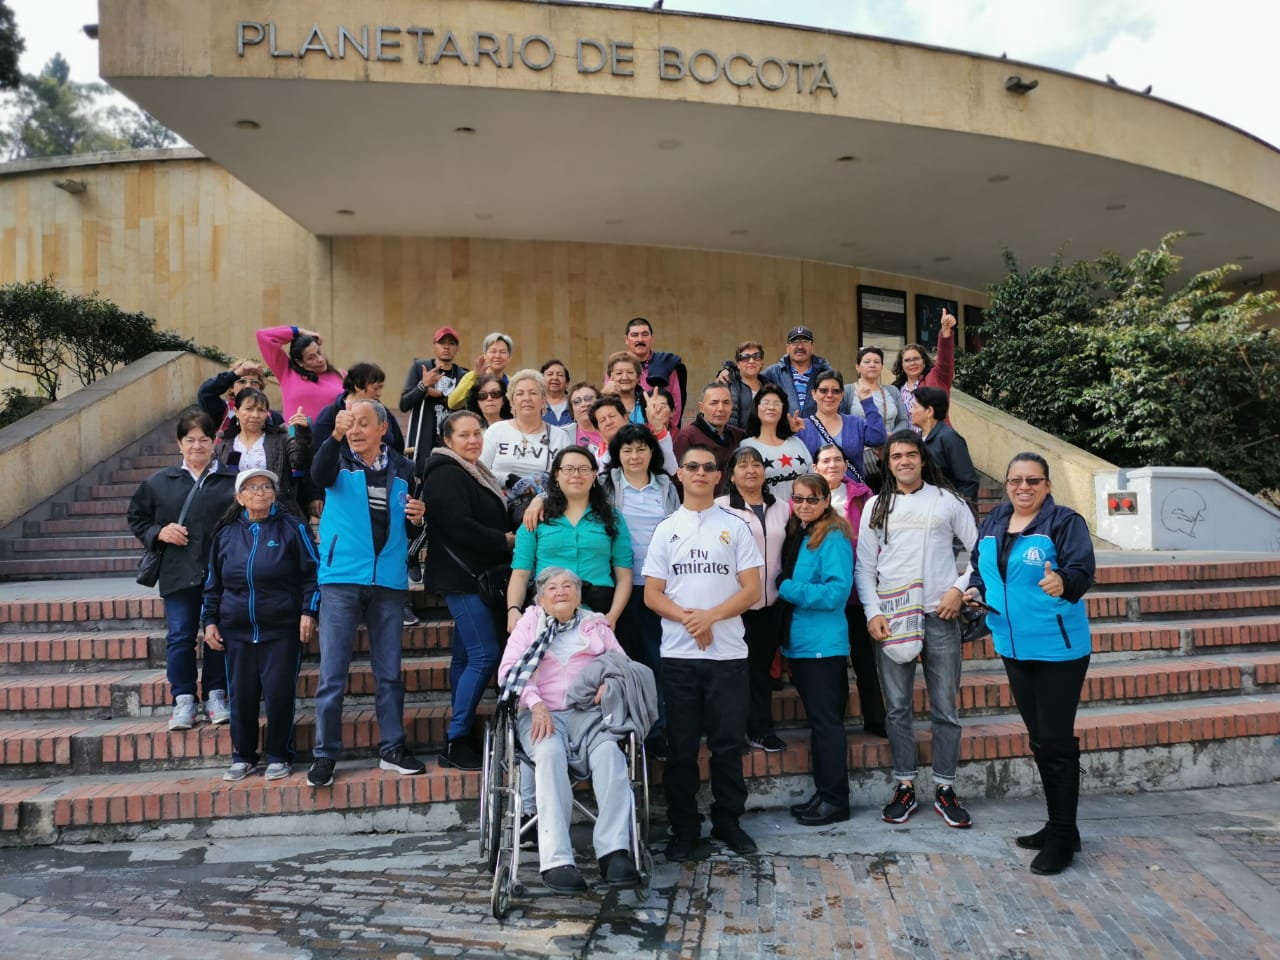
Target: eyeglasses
582,401
196,441
829,391
743,357
1014,482
256,488
709,467
584,470
489,395
812,501
770,404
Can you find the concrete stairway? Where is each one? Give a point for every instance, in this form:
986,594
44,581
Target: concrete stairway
1184,690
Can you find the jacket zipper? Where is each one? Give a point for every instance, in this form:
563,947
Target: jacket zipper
332,545
253,550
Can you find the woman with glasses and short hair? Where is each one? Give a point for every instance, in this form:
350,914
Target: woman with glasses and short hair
1033,564
261,605
771,430
828,425
581,396
742,376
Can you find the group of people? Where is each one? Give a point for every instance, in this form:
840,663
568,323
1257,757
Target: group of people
793,516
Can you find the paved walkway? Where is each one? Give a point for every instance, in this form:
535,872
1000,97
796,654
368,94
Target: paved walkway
1194,874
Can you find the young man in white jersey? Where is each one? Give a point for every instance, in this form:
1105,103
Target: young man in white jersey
702,571
907,581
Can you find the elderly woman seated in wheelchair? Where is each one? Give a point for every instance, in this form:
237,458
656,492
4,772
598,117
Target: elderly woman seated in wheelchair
576,698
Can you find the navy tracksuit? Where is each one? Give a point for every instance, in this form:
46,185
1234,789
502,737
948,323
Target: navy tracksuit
262,578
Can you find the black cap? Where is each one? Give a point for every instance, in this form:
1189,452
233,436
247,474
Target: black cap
799,333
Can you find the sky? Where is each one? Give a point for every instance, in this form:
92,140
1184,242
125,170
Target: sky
1218,58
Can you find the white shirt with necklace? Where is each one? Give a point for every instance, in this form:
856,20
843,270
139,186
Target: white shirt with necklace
508,449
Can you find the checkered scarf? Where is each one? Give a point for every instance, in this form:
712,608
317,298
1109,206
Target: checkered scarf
524,668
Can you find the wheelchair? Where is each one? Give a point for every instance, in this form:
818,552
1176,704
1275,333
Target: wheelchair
503,764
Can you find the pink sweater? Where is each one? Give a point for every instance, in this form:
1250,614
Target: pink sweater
550,683
296,390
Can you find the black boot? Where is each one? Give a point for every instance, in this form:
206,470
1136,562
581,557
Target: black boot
1035,841
1060,769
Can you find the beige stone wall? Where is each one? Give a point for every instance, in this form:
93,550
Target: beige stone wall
188,244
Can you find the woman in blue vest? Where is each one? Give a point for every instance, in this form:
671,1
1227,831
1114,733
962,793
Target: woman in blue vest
1032,565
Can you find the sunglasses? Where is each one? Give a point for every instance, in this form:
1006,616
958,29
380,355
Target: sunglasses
812,501
1014,482
711,467
750,356
489,395
829,391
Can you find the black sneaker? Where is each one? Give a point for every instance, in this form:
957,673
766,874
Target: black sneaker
565,879
735,838
902,806
401,760
410,618
681,847
949,808
460,755
321,772
618,870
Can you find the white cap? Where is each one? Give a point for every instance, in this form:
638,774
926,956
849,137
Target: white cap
244,476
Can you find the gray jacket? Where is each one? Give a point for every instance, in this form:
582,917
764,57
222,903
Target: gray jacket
630,701
887,400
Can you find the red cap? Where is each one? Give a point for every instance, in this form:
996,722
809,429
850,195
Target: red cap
446,332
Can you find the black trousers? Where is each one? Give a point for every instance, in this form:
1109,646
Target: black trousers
863,652
266,671
762,647
1047,693
704,696
823,685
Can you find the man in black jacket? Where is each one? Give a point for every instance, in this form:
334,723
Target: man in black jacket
711,428
796,370
948,449
426,396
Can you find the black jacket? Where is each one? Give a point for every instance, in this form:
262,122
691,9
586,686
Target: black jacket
262,578
425,412
286,456
158,501
951,454
469,518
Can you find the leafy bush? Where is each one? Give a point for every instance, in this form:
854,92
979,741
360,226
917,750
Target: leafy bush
1107,356
14,405
45,331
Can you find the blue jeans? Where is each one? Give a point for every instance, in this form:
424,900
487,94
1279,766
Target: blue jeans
343,607
182,618
942,656
475,657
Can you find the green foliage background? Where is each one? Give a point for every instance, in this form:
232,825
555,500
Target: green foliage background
1111,357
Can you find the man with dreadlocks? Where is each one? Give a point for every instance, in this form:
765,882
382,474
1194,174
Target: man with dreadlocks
906,578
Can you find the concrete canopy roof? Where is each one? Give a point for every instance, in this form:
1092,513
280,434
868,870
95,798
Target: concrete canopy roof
948,167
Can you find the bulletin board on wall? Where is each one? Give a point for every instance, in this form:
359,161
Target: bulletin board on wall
882,319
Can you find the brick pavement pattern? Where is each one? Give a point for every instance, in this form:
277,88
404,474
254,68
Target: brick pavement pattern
424,896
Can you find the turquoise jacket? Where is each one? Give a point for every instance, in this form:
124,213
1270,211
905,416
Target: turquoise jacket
819,589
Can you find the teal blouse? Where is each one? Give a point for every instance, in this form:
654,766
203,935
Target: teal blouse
585,548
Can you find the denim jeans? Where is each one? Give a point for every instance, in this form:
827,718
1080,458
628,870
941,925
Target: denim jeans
475,656
941,657
182,620
342,609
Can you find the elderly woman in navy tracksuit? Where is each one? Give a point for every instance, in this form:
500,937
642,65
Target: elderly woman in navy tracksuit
1032,564
261,604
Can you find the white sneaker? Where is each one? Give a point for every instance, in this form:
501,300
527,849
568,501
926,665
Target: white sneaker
238,771
216,707
184,712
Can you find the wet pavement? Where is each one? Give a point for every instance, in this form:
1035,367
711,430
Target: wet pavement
1191,874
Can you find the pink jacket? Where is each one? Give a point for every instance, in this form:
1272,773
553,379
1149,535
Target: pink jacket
296,390
550,683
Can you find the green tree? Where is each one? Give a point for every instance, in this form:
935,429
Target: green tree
1113,357
11,47
56,116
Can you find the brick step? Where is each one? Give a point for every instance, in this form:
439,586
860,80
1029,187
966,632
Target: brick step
33,747
73,568
1164,573
107,491
90,508
79,652
133,475
1157,604
88,546
122,805
79,525
126,609
149,461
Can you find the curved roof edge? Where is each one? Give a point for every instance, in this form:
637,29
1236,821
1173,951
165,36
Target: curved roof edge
101,158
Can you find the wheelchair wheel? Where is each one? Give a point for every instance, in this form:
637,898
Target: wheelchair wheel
645,867
486,787
491,825
500,893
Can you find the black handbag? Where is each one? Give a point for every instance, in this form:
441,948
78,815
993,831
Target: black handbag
973,624
491,584
149,565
